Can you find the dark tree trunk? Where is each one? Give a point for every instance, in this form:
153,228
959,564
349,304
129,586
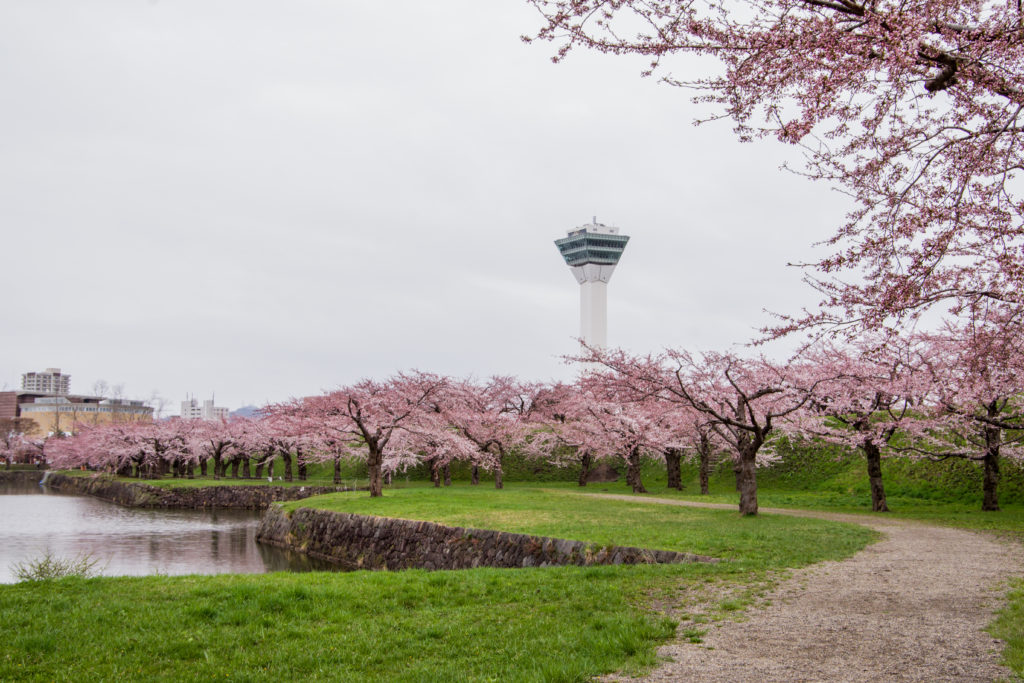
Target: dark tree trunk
447,475
704,466
990,480
337,470
585,462
259,469
475,478
268,462
633,472
435,473
202,466
990,500
746,481
176,469
373,466
287,457
246,472
235,462
748,442
499,472
190,470
216,466
874,456
302,469
675,475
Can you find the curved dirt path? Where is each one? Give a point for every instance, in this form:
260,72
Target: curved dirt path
911,607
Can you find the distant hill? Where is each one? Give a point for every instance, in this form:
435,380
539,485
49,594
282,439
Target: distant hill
245,411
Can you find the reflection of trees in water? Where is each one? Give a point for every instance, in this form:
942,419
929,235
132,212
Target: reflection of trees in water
135,541
281,560
20,487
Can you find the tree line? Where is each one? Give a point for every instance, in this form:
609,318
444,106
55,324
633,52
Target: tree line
951,394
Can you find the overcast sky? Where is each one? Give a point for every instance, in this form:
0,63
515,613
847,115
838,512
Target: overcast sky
270,199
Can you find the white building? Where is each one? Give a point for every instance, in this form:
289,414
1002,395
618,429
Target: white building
191,410
592,252
50,381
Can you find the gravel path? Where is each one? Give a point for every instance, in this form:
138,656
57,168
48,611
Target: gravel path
911,607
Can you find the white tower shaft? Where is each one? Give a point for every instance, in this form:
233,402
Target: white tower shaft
594,313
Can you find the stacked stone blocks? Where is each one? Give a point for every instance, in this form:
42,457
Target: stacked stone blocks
366,542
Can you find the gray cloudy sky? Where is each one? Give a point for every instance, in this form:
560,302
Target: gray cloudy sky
266,199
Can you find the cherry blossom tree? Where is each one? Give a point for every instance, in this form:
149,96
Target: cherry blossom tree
113,447
560,433
333,446
743,399
868,394
369,414
166,444
288,431
913,109
622,424
72,452
492,416
255,437
9,441
975,370
16,446
686,430
626,430
432,441
213,440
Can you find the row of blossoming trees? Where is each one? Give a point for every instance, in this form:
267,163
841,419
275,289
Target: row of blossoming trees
914,112
954,394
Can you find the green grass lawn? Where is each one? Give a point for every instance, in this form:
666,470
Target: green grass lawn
763,542
968,515
1009,626
552,624
562,625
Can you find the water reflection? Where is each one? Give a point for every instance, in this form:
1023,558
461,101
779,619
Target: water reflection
134,541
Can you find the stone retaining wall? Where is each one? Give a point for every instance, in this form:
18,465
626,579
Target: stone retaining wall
139,494
364,542
21,476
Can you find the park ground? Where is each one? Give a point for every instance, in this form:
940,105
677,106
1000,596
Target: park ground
551,624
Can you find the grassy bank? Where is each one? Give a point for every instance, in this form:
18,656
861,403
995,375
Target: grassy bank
765,542
557,624
1009,626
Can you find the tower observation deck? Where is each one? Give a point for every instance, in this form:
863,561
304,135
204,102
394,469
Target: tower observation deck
592,251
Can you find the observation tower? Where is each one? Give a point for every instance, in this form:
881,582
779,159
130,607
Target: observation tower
592,251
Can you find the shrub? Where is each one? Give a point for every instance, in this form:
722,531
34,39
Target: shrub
49,566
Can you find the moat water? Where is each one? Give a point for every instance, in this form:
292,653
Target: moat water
133,541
